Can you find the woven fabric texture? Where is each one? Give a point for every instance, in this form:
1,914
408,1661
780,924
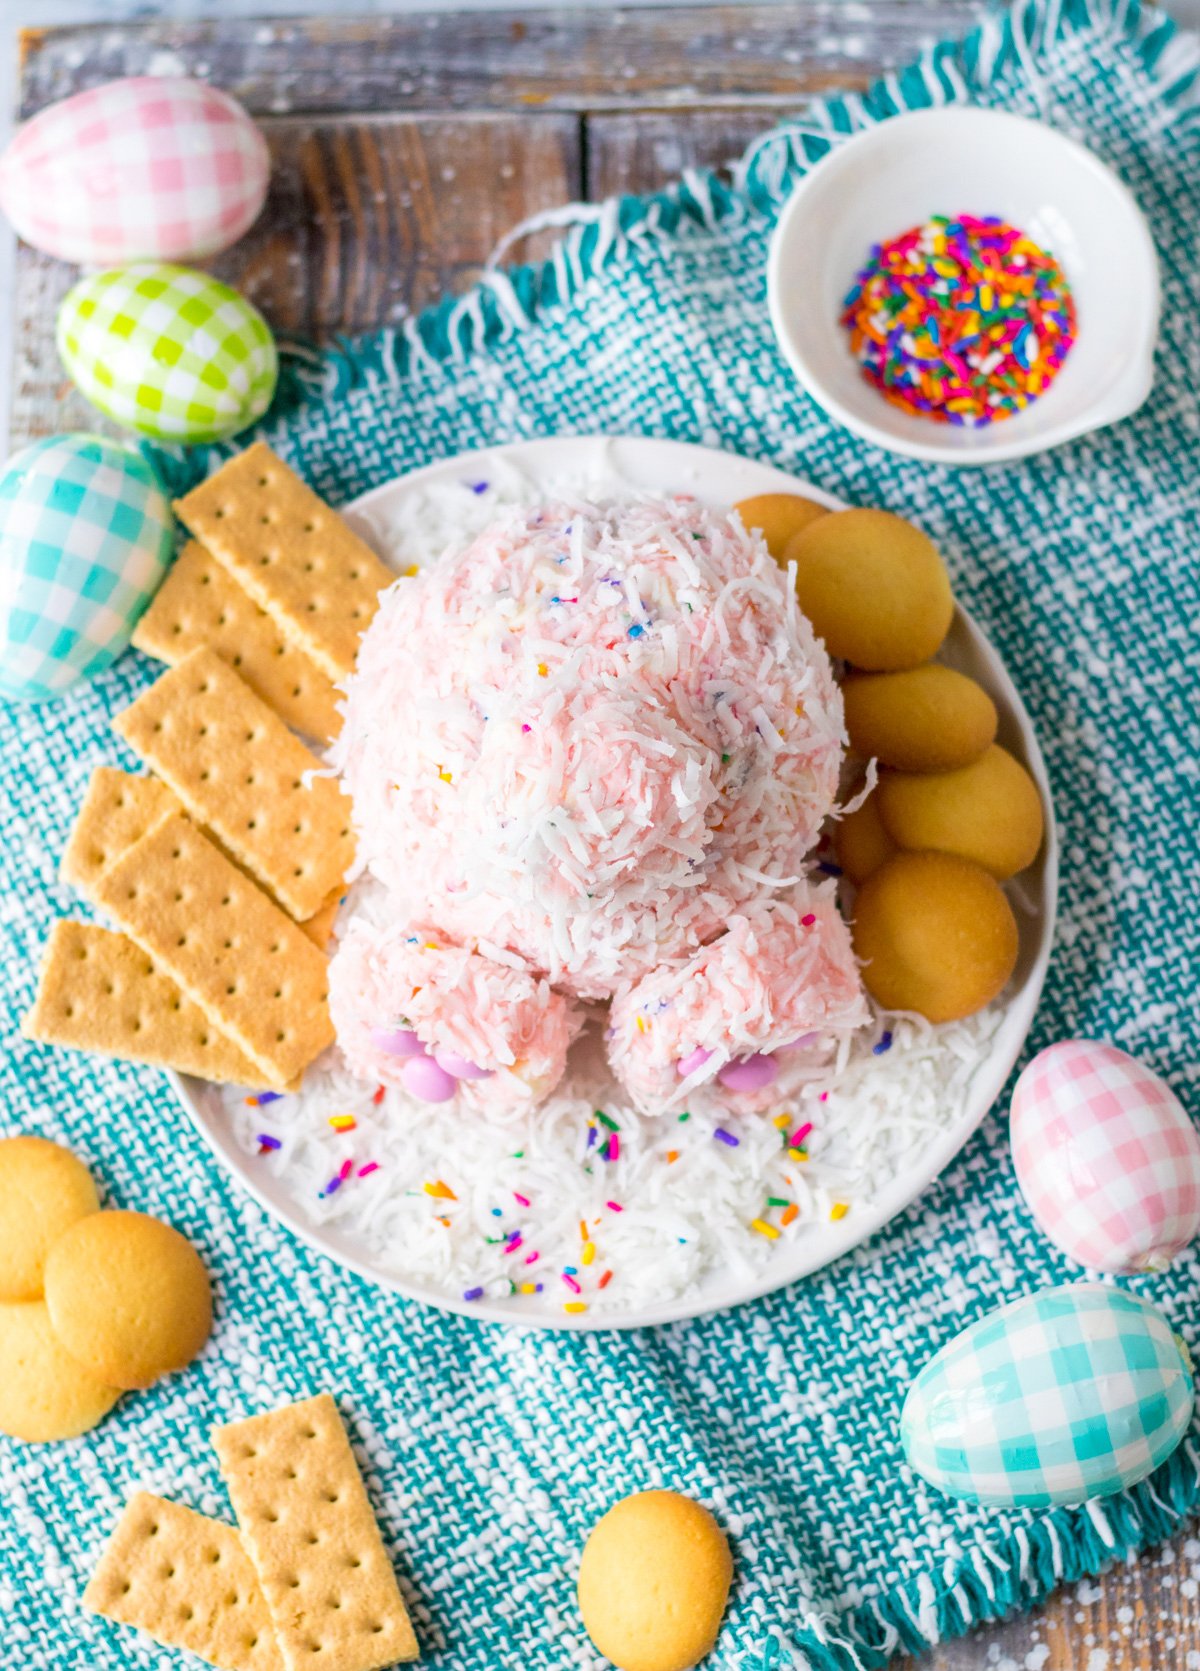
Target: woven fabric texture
489,1453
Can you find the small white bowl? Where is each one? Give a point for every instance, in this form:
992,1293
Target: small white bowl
955,160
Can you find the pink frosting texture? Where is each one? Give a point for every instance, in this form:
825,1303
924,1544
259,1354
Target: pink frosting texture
587,751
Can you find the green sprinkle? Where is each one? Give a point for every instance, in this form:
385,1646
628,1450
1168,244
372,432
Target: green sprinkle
605,1121
776,1201
684,1117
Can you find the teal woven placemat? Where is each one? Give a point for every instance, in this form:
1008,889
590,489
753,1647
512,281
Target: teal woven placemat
490,1453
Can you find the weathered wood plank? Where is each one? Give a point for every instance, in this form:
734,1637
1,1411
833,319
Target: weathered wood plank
642,150
365,221
1139,1616
564,60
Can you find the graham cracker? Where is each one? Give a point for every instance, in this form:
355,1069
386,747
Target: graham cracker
292,553
117,810
319,926
241,773
307,1524
98,991
187,1582
231,949
201,605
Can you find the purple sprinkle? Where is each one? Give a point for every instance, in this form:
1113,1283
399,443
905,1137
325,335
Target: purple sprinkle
591,1137
266,1142
723,1136
333,1185
885,1043
264,1097
478,487
473,1294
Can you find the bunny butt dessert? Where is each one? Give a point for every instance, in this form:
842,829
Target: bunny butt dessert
588,757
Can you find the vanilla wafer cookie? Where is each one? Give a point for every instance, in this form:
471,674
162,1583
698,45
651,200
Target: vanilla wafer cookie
187,1582
292,553
201,605
308,1526
100,992
242,774
252,971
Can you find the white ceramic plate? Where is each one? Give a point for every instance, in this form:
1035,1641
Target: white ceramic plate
984,162
722,479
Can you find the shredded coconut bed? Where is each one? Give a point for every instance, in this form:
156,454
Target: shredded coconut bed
588,1203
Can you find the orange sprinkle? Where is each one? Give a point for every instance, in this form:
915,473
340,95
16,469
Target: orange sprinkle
672,1156
790,1214
440,1191
605,1280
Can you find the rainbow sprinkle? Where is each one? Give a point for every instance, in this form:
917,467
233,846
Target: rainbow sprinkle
335,1183
963,319
263,1098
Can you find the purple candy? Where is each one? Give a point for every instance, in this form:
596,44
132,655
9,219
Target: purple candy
752,1073
396,1041
689,1064
426,1081
802,1043
458,1067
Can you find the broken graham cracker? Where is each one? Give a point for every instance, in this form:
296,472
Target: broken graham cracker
319,926
292,553
307,1524
117,810
201,605
252,971
240,772
98,991
187,1582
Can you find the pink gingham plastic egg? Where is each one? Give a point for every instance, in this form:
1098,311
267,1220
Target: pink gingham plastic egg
1106,1157
149,168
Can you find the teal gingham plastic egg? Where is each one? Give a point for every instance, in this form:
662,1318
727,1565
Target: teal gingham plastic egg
1072,1393
167,351
86,534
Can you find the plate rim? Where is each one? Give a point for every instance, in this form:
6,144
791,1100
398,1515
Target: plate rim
193,1094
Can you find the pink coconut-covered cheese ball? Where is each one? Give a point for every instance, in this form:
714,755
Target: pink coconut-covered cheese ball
591,753
781,971
591,737
503,1022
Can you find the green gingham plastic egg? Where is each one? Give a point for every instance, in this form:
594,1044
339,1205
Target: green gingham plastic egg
169,352
86,534
1075,1392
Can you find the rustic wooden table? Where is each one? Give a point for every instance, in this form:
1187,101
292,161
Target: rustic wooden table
403,149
